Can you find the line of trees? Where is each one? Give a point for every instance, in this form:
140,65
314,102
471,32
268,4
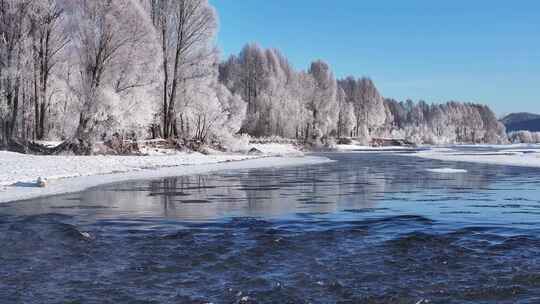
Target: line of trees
524,137
314,106
451,122
80,70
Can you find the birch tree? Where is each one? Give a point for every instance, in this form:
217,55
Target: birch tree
48,42
322,105
14,28
112,53
346,118
186,30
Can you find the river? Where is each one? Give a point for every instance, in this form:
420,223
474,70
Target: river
367,228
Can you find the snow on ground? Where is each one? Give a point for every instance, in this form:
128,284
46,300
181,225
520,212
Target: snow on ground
19,172
48,143
446,170
27,168
528,156
156,151
277,149
361,148
495,146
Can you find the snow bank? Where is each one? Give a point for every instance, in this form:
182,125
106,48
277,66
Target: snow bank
446,170
362,148
495,146
67,174
48,143
27,168
527,157
275,149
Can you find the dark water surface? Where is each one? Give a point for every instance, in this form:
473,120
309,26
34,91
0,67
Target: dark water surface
368,228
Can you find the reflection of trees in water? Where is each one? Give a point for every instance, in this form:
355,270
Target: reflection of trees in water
353,183
419,179
362,180
309,189
196,197
262,192
356,181
173,191
387,175
360,187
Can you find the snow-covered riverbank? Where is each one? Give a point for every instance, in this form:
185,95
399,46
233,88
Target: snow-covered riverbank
369,149
522,155
507,155
19,172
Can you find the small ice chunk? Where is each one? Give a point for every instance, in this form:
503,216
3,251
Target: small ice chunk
86,235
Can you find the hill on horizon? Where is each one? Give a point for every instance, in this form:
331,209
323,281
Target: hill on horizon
522,121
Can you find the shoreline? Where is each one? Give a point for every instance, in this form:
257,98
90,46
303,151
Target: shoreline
66,185
509,155
76,174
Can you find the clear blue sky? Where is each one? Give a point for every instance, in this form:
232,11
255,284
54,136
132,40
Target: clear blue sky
476,50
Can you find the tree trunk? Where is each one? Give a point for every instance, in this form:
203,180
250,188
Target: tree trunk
165,82
14,112
41,134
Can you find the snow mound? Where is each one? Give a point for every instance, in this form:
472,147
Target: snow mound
446,170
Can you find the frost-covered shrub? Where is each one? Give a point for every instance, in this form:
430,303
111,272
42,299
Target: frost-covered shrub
536,137
524,137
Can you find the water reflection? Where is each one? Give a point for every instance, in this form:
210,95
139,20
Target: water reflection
356,183
368,228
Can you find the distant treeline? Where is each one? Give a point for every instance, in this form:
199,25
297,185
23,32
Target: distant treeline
313,105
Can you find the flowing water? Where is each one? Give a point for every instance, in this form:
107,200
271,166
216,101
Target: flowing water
368,228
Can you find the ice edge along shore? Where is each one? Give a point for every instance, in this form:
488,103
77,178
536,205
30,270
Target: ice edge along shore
69,174
72,174
24,191
513,155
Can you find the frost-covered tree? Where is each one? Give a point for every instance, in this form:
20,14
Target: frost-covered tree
349,86
112,58
368,103
274,98
206,110
524,137
48,43
30,49
296,111
495,131
322,104
372,104
210,112
14,59
233,106
346,118
265,80
186,30
452,122
398,113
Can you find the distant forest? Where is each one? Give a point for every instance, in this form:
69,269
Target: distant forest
82,71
